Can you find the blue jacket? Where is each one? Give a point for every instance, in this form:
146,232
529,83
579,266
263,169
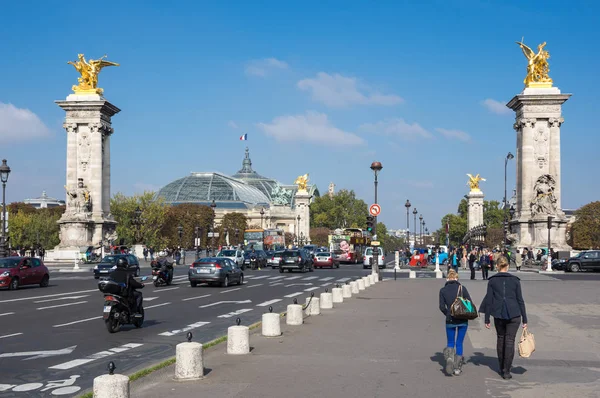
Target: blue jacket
447,296
504,299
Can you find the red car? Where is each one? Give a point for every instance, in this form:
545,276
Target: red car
18,271
325,259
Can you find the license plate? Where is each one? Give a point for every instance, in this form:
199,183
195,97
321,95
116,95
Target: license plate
104,271
107,308
155,277
290,261
203,271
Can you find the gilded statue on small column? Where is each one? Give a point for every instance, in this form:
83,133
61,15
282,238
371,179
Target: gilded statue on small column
89,70
537,66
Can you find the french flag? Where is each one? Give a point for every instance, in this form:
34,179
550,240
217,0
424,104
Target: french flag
244,137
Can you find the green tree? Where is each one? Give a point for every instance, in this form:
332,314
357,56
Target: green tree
493,215
319,236
458,229
343,210
585,231
189,216
152,219
232,222
30,227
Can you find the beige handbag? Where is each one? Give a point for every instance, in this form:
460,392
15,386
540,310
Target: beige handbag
526,344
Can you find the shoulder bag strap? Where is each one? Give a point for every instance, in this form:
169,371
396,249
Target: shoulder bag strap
459,291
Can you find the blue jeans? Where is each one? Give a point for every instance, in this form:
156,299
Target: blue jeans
456,339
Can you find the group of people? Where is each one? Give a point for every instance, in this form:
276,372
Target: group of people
503,301
38,252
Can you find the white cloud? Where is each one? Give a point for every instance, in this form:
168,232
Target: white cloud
396,127
496,107
18,124
232,124
337,91
457,134
312,127
262,67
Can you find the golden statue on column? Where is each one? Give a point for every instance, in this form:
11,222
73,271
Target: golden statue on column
474,182
537,66
89,70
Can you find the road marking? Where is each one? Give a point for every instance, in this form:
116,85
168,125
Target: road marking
259,277
164,290
46,296
326,284
10,335
275,284
194,298
343,280
230,290
62,298
150,298
326,279
225,302
156,305
276,278
299,284
293,294
39,354
311,289
61,305
259,284
291,278
7,313
268,303
79,321
185,329
234,313
93,357
310,278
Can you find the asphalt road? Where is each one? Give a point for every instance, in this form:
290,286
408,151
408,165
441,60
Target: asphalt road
53,341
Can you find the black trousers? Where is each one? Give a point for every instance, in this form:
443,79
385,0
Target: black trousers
484,271
506,330
137,297
472,267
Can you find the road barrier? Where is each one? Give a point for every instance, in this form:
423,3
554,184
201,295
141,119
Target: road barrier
347,291
294,314
412,274
367,281
354,287
312,305
374,279
326,300
271,324
361,284
238,339
111,385
439,274
337,294
189,361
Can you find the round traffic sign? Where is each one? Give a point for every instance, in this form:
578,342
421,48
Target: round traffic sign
375,209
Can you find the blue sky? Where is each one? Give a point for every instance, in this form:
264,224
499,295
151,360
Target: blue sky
320,87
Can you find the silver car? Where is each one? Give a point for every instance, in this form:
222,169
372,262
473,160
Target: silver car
275,259
237,256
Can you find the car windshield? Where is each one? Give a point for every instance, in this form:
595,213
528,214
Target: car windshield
226,253
248,254
211,261
110,259
290,254
323,254
277,254
369,251
9,262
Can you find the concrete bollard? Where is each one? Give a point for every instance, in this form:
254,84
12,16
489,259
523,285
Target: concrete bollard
347,291
361,284
238,339
271,324
439,274
412,274
354,287
111,385
374,279
367,280
326,300
189,362
313,308
338,295
294,314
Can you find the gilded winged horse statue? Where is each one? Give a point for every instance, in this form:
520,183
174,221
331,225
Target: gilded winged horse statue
474,182
537,66
301,181
89,70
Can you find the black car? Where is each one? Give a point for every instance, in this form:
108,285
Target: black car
588,260
298,259
109,262
261,258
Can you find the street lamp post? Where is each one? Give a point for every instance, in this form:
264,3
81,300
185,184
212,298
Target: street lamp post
298,231
415,212
407,205
137,215
237,236
262,213
421,229
180,233
376,167
549,258
508,157
4,172
213,206
197,242
427,233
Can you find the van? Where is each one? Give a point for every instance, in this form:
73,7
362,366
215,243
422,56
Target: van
368,257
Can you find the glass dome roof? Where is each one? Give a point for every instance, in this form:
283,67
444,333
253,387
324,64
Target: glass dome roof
251,177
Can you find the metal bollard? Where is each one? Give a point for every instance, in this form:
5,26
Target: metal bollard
294,314
337,294
354,287
111,385
271,324
326,300
238,339
189,362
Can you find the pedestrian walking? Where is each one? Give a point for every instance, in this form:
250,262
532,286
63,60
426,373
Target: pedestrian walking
504,301
485,266
472,264
519,260
456,329
145,253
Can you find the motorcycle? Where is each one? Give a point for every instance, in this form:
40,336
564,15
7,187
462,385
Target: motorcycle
161,278
253,263
117,309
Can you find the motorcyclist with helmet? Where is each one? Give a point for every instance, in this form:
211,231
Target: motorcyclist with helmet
165,265
124,276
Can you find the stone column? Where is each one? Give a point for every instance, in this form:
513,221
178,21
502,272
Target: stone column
302,201
475,206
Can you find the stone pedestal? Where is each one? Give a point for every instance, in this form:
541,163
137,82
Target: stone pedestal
538,121
302,201
87,219
475,209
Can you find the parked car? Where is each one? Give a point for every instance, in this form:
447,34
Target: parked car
368,257
109,263
275,259
325,259
19,271
299,260
237,256
261,258
215,270
588,260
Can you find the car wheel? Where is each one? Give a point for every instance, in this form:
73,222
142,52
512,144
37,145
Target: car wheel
241,280
45,281
574,267
225,282
193,283
14,284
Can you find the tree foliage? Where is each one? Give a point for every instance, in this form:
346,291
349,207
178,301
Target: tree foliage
189,216
320,236
342,210
30,227
493,217
152,219
232,223
585,231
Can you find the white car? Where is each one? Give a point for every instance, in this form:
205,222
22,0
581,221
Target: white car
368,257
275,260
237,256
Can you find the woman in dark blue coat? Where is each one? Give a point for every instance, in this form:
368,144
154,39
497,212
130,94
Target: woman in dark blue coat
504,301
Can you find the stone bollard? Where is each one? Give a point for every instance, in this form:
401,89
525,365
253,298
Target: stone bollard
361,284
111,385
326,300
374,279
439,274
238,339
271,324
367,280
338,295
412,274
294,314
313,308
189,363
354,287
347,291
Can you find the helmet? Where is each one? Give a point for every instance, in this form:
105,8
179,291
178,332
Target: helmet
122,262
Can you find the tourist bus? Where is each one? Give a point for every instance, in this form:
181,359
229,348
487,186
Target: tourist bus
348,244
264,239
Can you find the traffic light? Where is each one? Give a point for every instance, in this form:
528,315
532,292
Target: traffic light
370,220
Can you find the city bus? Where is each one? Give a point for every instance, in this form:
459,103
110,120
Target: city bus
264,239
348,245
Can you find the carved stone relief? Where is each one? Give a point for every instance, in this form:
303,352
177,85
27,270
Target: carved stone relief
84,150
544,201
540,138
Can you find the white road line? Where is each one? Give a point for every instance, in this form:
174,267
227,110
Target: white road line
194,298
259,277
275,284
326,284
156,305
291,278
164,290
258,284
150,298
326,279
185,329
62,298
234,313
230,290
61,305
46,296
7,313
310,278
79,321
311,289
10,335
293,294
93,357
268,303
343,280
225,302
276,278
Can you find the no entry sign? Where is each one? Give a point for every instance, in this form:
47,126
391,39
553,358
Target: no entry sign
375,209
